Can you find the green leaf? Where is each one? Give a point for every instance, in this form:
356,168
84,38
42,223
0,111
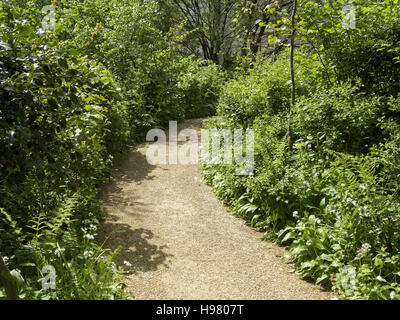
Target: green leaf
322,279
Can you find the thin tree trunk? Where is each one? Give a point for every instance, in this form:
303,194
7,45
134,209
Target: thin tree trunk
293,81
7,281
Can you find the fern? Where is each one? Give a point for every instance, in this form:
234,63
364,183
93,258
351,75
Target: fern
48,225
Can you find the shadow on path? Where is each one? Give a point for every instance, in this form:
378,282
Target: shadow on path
135,247
134,243
133,169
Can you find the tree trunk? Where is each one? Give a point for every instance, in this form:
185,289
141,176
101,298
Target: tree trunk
293,81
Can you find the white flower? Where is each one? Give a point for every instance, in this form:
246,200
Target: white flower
392,295
5,259
127,263
89,236
88,254
379,278
318,220
300,225
366,247
308,243
295,214
58,251
78,132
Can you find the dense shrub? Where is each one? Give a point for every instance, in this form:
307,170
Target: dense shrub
62,120
341,119
159,84
71,100
264,89
332,196
367,52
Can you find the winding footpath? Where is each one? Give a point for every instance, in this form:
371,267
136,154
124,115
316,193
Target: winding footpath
183,243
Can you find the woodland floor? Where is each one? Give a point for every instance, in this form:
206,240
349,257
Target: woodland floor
182,241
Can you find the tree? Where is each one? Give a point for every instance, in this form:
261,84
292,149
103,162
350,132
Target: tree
209,26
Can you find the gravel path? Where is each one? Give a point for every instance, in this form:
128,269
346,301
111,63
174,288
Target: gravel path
184,244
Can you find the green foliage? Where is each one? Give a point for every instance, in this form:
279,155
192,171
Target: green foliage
62,121
367,52
265,90
71,100
341,119
159,85
332,195
82,269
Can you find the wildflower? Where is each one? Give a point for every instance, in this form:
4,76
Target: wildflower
318,220
295,214
58,251
5,259
308,243
392,295
379,278
301,225
88,254
366,247
127,263
89,236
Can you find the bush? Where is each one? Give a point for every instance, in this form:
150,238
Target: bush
333,195
367,53
265,89
341,119
158,84
61,123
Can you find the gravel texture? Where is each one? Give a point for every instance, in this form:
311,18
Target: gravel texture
182,241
